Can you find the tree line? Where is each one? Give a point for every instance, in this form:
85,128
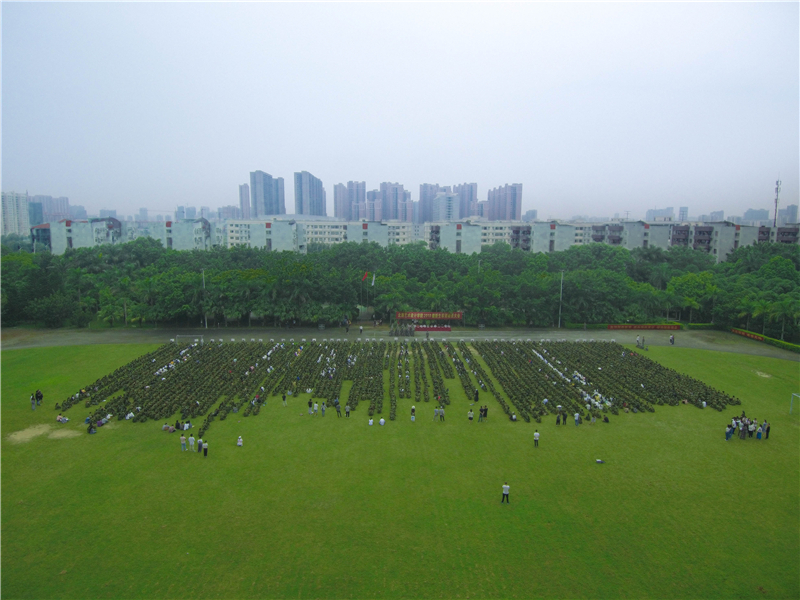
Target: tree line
142,282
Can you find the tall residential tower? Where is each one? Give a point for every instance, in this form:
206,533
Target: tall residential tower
266,195
309,195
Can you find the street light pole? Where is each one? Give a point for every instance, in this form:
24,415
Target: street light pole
205,316
561,297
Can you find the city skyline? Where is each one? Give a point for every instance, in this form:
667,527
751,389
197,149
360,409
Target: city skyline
595,109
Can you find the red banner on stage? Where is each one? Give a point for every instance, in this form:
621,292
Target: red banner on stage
428,315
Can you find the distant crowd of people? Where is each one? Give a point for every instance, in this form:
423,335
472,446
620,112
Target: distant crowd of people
747,428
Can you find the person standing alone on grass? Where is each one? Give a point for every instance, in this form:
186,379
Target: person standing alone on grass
536,439
183,443
413,413
191,443
323,408
347,411
577,418
506,488
205,448
284,399
470,414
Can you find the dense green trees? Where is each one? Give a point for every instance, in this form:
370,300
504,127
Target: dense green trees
141,282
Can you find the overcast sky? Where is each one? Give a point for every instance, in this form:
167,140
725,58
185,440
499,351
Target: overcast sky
595,108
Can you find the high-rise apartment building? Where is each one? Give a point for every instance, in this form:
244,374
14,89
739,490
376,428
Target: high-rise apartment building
107,212
392,194
142,216
505,203
180,213
754,214
717,215
15,213
446,207
405,211
266,195
427,192
467,199
309,195
341,202
35,214
357,192
373,210
244,201
229,212
191,212
53,209
78,212
662,214
683,214
787,215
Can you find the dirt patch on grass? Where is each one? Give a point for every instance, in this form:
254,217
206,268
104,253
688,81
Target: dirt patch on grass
26,435
62,434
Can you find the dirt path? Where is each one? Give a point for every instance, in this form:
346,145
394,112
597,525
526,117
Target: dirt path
21,337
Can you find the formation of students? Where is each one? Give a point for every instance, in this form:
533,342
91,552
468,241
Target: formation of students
747,428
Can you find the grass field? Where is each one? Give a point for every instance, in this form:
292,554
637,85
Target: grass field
331,508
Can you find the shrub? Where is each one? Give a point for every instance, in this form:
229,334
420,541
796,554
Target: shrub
701,326
770,341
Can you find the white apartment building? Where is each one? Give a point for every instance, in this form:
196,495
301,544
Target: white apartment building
460,237
15,213
457,238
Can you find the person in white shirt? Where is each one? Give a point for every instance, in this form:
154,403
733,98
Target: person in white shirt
191,443
577,416
382,422
470,414
536,439
506,488
435,413
370,420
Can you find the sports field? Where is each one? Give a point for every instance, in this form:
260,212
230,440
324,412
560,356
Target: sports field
329,507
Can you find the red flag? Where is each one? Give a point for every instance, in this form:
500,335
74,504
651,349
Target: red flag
365,275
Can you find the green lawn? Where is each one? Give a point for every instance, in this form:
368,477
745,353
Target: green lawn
327,507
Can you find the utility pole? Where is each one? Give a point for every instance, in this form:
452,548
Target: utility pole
561,297
205,316
777,193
